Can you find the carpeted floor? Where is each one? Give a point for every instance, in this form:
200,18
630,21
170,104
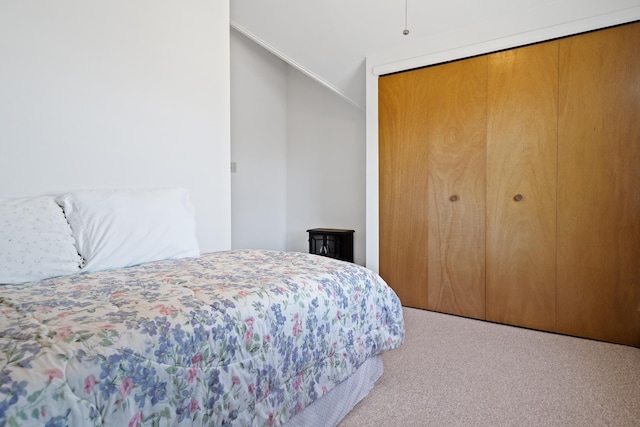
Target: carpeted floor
453,371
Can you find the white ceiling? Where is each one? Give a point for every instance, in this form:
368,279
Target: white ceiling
330,39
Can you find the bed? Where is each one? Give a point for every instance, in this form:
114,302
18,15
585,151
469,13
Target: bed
238,337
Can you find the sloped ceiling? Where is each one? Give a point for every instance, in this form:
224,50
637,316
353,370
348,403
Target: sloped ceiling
330,39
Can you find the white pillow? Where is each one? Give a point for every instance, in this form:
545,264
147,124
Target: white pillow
121,228
35,241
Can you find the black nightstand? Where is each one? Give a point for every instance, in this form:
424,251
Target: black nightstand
331,242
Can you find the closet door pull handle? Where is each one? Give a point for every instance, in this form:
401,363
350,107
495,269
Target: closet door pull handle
517,197
453,198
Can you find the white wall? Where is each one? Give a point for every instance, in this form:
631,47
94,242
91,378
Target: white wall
552,19
326,164
258,146
118,94
299,149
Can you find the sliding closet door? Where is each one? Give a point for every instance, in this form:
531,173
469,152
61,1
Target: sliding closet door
522,134
599,185
403,186
456,136
432,132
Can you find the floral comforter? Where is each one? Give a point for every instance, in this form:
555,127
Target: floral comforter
231,338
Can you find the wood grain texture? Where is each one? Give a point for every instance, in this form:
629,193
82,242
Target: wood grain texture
403,188
599,186
456,135
522,134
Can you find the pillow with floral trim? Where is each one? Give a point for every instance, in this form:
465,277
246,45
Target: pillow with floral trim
35,241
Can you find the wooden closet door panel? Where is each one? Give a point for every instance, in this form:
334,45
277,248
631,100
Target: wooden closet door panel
456,134
522,133
599,185
403,187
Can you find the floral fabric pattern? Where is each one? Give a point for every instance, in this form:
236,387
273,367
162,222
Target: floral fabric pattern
35,241
243,337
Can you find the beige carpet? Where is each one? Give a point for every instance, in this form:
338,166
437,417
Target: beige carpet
453,371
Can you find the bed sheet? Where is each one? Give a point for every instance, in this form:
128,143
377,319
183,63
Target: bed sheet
243,337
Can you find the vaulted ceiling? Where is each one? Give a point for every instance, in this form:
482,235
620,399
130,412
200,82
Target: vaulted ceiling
330,39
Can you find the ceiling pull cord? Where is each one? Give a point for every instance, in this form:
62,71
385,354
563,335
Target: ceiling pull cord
406,30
